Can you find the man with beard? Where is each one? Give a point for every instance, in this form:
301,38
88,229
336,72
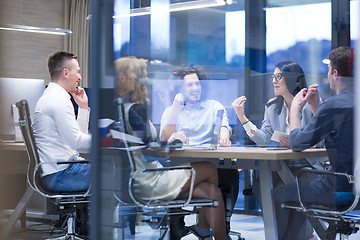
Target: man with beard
192,115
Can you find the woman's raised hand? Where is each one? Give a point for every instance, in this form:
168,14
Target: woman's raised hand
238,106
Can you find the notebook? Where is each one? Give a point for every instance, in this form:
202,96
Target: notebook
215,135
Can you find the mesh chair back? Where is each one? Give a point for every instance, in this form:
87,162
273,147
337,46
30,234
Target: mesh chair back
122,172
123,164
126,164
29,140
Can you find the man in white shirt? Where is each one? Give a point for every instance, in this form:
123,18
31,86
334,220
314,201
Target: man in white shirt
58,133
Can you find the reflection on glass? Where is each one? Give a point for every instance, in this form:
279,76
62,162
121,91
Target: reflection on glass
121,28
235,35
209,37
354,21
306,40
160,28
215,39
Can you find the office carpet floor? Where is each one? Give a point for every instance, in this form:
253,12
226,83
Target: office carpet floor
250,227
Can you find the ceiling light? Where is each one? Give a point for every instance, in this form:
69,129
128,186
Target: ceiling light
24,28
175,7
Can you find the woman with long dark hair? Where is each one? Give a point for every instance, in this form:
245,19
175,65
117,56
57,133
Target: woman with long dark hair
288,79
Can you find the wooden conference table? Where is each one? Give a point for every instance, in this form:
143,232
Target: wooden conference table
265,160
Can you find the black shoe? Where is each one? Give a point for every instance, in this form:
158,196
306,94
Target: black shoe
248,192
177,227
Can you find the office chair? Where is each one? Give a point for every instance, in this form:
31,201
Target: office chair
338,216
156,212
68,202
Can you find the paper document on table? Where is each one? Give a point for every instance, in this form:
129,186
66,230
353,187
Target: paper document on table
277,134
125,137
105,122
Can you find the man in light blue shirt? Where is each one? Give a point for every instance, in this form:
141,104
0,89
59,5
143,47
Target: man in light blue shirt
192,115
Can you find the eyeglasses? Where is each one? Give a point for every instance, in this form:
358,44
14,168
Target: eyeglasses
277,76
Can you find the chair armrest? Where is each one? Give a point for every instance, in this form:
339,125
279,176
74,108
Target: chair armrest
166,169
314,171
73,162
341,198
349,177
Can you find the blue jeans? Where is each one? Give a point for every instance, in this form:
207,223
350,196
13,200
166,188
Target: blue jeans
75,178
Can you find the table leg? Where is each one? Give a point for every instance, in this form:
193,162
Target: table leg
268,207
285,173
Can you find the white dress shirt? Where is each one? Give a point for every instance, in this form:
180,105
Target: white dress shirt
58,134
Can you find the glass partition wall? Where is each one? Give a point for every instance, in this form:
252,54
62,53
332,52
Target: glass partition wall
236,42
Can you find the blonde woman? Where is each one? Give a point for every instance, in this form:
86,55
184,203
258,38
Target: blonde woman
166,185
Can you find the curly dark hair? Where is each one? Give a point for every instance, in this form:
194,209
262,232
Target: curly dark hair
181,71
